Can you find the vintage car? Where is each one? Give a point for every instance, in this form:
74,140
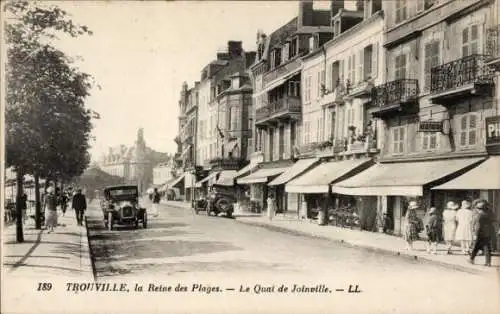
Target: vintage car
120,206
219,200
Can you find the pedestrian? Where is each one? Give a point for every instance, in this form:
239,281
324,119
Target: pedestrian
50,205
433,229
411,225
449,224
482,232
79,204
24,206
64,203
270,206
156,202
464,227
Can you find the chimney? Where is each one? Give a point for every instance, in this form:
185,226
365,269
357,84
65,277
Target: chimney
305,17
336,6
234,48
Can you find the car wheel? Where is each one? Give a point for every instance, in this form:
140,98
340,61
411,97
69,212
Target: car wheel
229,214
145,220
110,221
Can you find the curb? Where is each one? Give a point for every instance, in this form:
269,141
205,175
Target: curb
92,262
365,247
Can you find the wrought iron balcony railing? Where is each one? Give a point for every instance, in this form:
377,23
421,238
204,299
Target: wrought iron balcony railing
493,42
394,92
285,105
458,73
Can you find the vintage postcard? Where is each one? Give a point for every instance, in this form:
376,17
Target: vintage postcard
250,156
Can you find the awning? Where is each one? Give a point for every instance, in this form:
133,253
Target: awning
243,171
402,178
199,184
261,175
294,170
486,176
278,82
318,179
176,182
226,178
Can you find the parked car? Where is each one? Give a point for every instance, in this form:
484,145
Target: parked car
221,200
120,206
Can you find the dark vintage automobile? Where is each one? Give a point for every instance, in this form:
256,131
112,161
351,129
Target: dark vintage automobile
219,200
120,206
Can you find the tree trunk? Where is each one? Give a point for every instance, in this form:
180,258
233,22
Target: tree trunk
19,210
38,205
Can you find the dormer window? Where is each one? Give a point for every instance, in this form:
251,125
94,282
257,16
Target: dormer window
313,42
285,53
275,58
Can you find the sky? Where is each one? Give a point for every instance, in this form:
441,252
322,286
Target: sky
141,52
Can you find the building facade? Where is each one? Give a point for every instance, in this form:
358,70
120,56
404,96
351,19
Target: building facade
134,164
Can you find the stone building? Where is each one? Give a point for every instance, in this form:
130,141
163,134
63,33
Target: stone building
134,164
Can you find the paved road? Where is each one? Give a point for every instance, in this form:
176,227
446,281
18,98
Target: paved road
179,247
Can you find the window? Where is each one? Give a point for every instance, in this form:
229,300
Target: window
398,140
294,89
429,141
431,60
319,83
285,52
335,78
400,12
307,91
307,132
468,130
368,56
293,48
400,67
351,69
235,118
470,40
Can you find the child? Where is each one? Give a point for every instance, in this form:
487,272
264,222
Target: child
433,229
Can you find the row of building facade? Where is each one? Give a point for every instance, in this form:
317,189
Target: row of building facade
359,109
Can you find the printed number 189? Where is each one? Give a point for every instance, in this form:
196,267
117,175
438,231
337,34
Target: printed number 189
44,286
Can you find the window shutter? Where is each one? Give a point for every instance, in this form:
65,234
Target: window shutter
360,65
341,71
420,5
472,130
284,52
374,60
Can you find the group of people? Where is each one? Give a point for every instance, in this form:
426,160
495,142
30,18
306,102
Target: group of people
51,201
470,224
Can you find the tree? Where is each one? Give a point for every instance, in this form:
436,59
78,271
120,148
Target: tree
47,125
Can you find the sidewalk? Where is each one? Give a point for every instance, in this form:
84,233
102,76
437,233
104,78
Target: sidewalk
373,241
61,255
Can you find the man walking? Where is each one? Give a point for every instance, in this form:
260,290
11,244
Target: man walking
79,204
482,232
156,201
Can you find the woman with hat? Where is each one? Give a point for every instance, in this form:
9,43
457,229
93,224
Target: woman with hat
464,227
433,228
450,224
411,226
50,206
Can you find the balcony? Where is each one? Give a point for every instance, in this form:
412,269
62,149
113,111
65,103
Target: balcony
362,89
316,149
226,163
288,108
395,97
283,70
493,46
465,77
356,145
331,99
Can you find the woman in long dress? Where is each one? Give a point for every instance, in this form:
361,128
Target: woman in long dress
449,224
411,225
50,206
464,227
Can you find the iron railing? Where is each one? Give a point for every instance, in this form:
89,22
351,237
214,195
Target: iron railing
493,41
285,105
398,91
458,73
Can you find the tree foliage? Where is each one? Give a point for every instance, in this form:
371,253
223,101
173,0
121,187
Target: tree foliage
47,124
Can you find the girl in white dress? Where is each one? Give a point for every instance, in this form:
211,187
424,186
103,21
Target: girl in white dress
464,228
450,224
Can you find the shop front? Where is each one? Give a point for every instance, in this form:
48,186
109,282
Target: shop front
314,189
395,184
258,182
289,203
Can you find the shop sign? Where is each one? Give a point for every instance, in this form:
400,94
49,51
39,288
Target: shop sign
493,134
430,126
